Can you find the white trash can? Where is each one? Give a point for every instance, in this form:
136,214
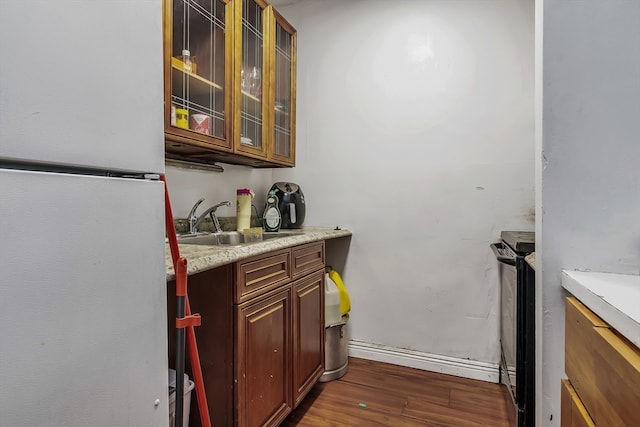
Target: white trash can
336,352
186,402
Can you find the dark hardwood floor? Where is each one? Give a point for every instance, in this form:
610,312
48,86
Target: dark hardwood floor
380,394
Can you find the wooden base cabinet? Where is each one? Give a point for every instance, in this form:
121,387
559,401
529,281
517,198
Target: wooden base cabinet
308,334
603,367
573,412
211,295
261,342
263,360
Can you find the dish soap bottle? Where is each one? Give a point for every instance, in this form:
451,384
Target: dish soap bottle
271,217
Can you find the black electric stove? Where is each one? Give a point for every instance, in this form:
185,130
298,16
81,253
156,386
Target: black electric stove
522,242
517,322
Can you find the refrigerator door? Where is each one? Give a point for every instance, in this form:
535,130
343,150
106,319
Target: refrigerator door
82,301
81,83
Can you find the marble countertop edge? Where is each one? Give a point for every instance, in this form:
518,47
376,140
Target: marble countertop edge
204,257
531,260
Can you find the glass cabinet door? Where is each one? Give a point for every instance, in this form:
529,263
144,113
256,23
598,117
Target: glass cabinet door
197,47
283,94
251,35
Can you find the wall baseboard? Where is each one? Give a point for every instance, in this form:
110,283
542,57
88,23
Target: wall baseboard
472,369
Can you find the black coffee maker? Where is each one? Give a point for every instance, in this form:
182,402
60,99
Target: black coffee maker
290,204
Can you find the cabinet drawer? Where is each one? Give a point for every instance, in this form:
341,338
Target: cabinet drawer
307,258
260,274
617,378
580,335
604,368
573,413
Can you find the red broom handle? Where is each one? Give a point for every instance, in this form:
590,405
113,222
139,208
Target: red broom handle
192,345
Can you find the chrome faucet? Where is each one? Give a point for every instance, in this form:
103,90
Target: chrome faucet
194,220
212,213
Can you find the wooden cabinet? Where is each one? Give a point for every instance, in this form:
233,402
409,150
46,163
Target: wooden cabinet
603,370
258,275
264,102
262,336
574,414
308,333
234,99
307,269
307,258
211,295
250,107
197,50
280,333
263,359
282,94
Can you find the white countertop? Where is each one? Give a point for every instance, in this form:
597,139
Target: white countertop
613,297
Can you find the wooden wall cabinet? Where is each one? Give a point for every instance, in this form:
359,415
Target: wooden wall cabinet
262,336
241,79
603,370
282,94
264,102
200,86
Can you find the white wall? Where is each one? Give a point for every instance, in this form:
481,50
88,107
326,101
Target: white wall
588,174
187,186
415,130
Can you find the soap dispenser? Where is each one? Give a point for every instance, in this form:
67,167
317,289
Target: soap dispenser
271,217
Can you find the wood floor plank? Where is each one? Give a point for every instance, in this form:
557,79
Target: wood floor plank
410,381
470,417
490,403
350,397
346,404
380,394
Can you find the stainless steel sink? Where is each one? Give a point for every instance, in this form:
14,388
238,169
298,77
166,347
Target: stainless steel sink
226,238
230,238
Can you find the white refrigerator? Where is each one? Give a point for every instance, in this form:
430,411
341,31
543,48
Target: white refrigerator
83,329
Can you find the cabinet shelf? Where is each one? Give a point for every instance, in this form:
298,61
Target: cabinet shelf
252,97
198,85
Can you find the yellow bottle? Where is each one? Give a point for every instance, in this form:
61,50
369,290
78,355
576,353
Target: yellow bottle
345,301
